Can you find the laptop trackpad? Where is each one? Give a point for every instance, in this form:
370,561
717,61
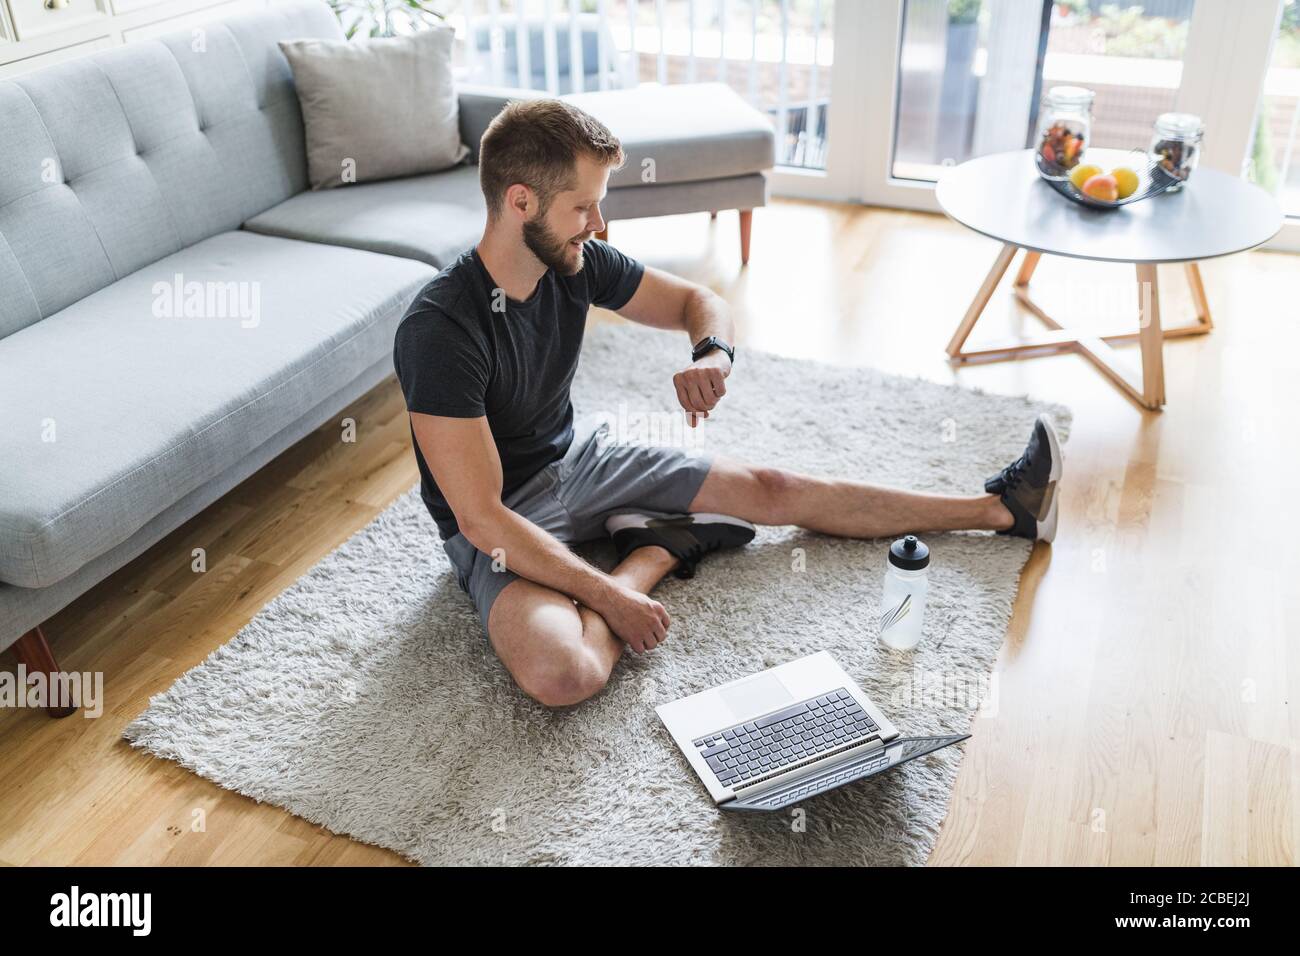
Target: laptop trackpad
758,695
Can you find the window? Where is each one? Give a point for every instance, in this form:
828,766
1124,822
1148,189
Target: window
777,54
1274,159
971,73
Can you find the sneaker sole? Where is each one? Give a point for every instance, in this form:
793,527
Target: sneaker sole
1048,512
624,521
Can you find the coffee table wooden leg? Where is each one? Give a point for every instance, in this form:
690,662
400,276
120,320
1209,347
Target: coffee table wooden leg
1027,268
1205,322
1149,392
1152,339
981,299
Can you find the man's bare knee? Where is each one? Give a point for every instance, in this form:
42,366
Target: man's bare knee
538,634
775,489
564,678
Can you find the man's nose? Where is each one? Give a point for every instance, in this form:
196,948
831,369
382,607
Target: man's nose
597,224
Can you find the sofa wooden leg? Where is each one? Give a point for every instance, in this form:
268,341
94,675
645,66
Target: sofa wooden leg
746,221
34,653
713,214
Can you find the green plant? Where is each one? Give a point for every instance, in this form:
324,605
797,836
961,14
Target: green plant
1130,32
1286,52
384,18
1263,168
964,11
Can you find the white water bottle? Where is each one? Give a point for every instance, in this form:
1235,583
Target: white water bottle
902,605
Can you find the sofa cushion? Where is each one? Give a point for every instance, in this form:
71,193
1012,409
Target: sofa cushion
432,218
126,401
111,161
379,109
682,133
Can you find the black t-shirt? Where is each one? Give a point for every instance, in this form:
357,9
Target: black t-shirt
458,357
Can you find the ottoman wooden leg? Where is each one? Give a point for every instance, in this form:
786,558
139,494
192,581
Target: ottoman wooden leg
603,235
34,653
746,223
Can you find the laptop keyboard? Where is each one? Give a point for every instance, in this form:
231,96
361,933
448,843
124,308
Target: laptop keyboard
783,798
745,753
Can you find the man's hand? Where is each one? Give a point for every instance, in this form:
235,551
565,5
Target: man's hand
637,619
700,385
664,301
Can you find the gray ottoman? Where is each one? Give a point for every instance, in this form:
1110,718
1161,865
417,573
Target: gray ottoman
694,147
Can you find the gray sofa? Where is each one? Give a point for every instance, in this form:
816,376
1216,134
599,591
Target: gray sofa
136,177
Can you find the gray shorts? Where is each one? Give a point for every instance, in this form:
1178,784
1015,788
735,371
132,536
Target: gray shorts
571,498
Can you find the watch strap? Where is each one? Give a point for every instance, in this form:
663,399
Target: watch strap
705,346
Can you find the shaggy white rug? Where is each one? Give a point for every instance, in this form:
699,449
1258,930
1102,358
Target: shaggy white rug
365,698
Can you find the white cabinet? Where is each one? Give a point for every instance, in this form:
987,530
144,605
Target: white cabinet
37,18
31,30
6,27
222,9
27,64
130,6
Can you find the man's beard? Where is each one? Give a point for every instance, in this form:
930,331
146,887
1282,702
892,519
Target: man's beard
552,251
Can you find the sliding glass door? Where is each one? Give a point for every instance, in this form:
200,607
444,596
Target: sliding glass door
1273,160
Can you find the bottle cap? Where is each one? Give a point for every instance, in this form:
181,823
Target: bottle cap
909,554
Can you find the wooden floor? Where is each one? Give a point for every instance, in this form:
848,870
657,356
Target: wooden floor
1144,688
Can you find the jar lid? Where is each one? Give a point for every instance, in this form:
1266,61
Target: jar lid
909,554
1180,124
1070,95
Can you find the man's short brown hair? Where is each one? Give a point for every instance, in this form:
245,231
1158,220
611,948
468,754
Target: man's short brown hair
536,143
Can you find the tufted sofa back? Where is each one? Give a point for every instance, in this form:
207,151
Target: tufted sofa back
115,160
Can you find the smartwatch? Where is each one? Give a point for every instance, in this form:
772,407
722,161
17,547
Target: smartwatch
705,346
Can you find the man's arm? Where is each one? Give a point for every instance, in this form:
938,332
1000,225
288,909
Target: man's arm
464,461
664,301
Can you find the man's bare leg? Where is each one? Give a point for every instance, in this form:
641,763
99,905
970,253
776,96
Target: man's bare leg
776,496
559,652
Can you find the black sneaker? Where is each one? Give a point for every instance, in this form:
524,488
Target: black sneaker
687,537
1028,484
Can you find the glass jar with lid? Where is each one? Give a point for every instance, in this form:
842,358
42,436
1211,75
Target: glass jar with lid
1064,129
1176,146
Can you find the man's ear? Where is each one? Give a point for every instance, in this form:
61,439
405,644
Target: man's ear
520,200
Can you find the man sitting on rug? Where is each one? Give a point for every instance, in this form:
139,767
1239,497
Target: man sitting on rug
486,354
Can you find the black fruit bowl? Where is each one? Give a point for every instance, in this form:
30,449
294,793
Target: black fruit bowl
1152,181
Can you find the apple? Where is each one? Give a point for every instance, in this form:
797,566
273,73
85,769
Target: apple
1102,186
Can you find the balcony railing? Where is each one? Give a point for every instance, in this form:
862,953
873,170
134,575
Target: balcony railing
775,53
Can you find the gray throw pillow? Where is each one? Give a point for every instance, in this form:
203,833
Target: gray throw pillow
378,108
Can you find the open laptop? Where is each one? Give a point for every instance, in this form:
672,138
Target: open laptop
776,738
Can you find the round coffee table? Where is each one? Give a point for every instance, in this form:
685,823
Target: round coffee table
1002,196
